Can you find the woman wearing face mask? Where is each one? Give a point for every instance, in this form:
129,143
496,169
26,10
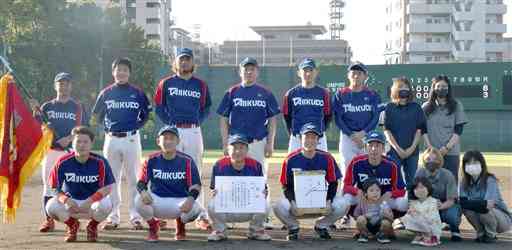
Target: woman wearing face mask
404,121
481,200
444,189
445,122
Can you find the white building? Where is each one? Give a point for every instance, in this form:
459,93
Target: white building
440,31
508,49
154,17
287,45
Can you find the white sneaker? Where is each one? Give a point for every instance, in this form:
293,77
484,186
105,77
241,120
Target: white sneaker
259,235
217,236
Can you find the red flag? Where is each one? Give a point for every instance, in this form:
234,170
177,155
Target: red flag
23,145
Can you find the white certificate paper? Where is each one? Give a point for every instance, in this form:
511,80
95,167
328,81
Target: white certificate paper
240,194
310,189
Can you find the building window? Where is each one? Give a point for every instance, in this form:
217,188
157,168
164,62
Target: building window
428,39
152,5
305,36
153,36
268,37
152,20
429,20
428,59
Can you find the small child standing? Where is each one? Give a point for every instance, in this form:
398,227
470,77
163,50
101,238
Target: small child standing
423,217
373,215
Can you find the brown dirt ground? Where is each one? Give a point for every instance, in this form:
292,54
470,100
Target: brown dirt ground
24,233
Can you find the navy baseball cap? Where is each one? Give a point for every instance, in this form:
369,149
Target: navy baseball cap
184,52
307,63
63,76
238,138
375,136
168,128
247,61
310,127
359,67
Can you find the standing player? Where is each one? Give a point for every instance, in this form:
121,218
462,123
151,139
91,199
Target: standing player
174,184
308,158
356,112
306,103
123,109
83,181
63,113
250,109
236,164
183,101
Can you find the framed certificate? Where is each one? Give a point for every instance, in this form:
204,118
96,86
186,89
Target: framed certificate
310,191
240,194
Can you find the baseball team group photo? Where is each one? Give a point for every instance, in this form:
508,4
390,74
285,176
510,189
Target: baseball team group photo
206,157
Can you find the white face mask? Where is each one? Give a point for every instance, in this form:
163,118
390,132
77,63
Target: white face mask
474,169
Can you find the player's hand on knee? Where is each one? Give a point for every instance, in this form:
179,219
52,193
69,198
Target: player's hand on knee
146,198
187,205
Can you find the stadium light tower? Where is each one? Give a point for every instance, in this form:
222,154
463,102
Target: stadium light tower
335,15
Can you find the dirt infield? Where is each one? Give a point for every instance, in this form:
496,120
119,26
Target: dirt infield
24,233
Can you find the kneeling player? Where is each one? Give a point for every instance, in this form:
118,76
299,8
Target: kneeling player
236,164
82,180
174,186
308,158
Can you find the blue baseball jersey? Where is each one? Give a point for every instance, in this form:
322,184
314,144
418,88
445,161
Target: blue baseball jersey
321,161
80,180
62,118
122,108
170,178
306,105
182,101
356,111
223,167
387,173
248,109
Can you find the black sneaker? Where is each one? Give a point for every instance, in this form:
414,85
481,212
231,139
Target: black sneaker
323,233
362,238
456,237
480,239
489,239
382,238
293,234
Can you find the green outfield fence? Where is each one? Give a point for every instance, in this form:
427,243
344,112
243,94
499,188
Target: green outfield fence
485,89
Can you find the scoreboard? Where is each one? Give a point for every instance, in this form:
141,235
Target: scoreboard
479,86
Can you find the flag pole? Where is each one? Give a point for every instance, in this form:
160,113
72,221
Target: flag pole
20,83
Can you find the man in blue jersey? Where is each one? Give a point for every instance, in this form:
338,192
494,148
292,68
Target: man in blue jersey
236,164
183,100
356,111
174,185
250,109
304,103
375,165
63,114
82,181
123,109
308,158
